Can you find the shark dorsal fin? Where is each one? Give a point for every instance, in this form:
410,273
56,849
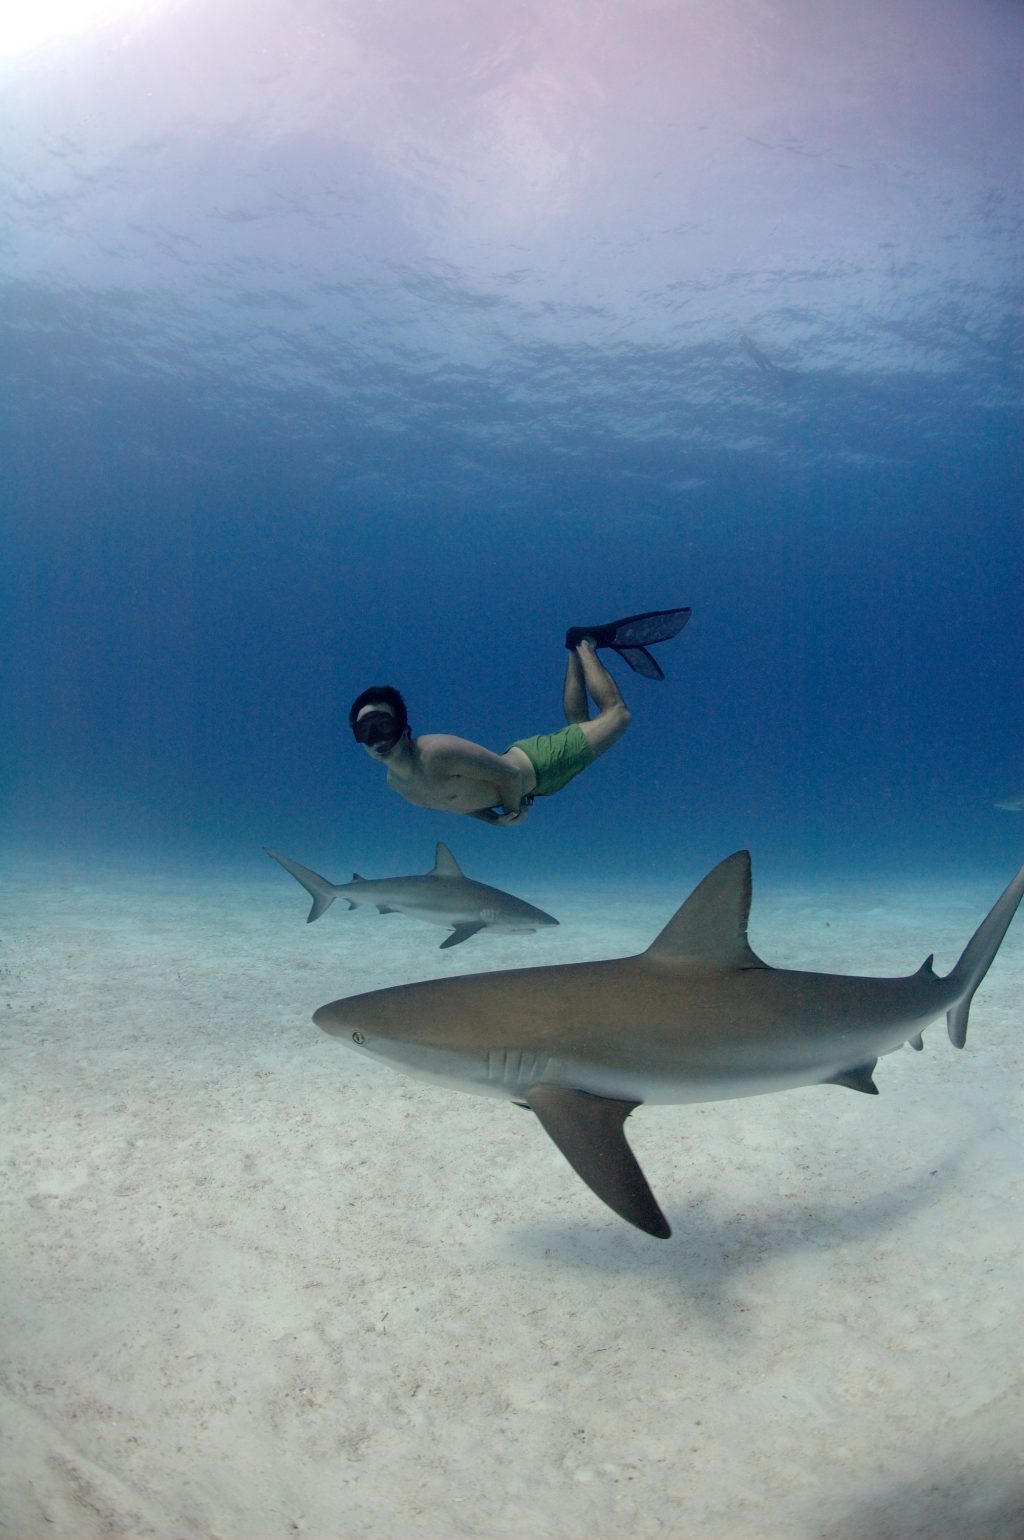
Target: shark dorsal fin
445,864
711,926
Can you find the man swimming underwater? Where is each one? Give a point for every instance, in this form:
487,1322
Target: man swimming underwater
453,775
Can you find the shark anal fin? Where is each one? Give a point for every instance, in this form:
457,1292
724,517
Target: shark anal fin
916,1042
461,933
857,1079
589,1132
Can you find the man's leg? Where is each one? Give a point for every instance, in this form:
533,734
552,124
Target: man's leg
574,692
585,672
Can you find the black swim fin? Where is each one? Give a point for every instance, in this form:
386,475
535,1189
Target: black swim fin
631,637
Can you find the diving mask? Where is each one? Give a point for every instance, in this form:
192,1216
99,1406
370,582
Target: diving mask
378,729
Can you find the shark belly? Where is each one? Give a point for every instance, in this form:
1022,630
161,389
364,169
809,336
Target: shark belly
701,1083
511,1073
681,1090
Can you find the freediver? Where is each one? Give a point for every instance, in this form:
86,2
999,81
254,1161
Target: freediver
453,775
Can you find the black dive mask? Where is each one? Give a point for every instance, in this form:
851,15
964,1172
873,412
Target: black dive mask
378,729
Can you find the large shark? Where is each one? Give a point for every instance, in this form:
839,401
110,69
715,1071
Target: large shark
442,896
697,1017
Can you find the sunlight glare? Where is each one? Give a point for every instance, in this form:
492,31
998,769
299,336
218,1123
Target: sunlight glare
41,23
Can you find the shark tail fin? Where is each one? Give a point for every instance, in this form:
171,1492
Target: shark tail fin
977,956
322,892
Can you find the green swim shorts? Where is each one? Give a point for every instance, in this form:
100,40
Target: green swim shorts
556,757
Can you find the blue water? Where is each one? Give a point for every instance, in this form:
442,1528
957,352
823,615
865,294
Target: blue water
346,345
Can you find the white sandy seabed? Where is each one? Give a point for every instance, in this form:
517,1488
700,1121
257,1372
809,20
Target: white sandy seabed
256,1286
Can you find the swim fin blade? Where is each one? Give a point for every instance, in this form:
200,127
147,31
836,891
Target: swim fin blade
631,636
640,661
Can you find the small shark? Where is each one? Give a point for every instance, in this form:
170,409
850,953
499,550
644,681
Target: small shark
1012,804
696,1017
764,363
442,896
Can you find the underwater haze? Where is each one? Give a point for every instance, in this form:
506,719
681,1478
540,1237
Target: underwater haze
347,343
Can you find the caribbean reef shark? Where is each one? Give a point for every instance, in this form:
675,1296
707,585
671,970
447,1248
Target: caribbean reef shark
696,1017
442,896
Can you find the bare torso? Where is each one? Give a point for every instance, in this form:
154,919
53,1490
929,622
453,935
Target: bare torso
454,775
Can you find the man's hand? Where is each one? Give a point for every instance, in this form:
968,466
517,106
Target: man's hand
518,814
512,817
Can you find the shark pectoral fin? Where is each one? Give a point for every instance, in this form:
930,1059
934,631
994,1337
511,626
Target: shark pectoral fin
857,1079
461,933
589,1132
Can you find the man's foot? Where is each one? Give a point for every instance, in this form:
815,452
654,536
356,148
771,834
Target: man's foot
631,636
597,636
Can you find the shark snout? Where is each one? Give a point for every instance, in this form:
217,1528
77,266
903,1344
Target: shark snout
385,1040
332,1019
340,1020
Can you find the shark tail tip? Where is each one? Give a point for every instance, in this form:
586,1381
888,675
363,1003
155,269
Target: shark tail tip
956,1023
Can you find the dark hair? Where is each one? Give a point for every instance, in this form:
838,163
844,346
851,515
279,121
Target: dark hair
384,695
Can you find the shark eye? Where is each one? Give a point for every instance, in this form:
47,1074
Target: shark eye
357,1037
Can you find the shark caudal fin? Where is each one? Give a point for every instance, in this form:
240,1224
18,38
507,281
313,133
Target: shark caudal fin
977,957
322,892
